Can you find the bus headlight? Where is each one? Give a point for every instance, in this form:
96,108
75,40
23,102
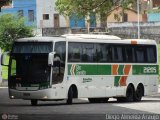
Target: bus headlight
12,97
45,97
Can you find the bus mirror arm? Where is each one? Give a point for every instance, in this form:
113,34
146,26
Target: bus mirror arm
3,58
50,58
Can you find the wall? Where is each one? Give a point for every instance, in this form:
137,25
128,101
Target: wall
24,5
129,30
48,7
55,31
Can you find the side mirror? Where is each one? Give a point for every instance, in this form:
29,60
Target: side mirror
51,58
4,61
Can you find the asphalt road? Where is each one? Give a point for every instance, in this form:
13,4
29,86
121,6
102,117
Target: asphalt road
80,110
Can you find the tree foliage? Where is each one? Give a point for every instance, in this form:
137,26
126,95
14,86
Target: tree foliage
12,28
83,7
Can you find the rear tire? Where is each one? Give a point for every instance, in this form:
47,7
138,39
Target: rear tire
70,96
34,102
138,93
129,95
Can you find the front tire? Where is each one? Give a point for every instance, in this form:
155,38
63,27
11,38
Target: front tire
70,96
34,102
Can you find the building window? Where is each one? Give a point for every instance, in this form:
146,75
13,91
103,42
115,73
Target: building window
45,16
125,17
31,15
20,13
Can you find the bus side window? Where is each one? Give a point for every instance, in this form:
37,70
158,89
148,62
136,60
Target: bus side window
140,54
129,53
88,53
151,54
117,54
74,52
104,53
59,63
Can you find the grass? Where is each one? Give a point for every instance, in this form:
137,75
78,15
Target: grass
5,69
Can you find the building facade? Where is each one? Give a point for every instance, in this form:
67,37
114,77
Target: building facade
48,17
130,15
24,8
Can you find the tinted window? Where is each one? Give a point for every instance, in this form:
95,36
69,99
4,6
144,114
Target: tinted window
88,53
129,53
60,49
110,53
104,53
81,52
32,47
74,52
140,52
117,54
151,54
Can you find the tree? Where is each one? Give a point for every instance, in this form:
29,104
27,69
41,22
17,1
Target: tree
12,28
84,8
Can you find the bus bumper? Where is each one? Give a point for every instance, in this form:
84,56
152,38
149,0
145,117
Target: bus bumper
45,94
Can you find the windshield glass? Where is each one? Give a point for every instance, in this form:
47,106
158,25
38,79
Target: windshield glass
29,65
32,47
26,70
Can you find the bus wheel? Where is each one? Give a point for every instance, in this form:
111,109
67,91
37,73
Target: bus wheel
34,102
129,94
70,96
138,94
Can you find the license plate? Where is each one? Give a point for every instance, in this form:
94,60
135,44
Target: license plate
26,94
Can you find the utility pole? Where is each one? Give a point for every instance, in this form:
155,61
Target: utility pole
138,25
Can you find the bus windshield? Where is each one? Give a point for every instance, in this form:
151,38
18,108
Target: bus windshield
29,65
32,47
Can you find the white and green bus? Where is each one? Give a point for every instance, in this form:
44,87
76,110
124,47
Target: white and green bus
97,67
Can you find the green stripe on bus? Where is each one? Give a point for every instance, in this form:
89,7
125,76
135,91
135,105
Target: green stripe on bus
116,80
79,69
89,69
104,70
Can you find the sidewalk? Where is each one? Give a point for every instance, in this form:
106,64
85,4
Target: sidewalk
4,83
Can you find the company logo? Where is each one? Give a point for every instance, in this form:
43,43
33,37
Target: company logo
4,116
77,70
9,117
